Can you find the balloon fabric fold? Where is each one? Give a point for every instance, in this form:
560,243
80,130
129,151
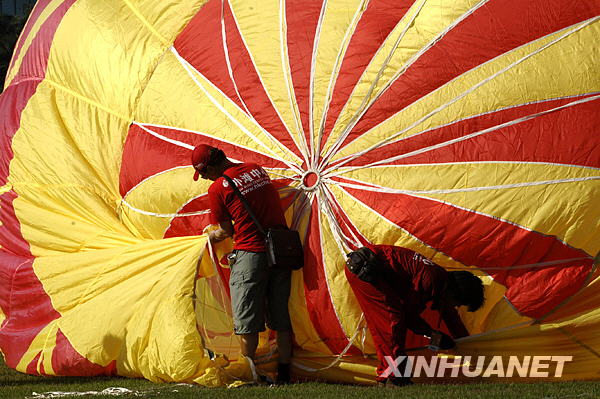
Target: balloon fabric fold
464,130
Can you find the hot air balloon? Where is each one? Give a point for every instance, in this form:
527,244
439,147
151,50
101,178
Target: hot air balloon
463,130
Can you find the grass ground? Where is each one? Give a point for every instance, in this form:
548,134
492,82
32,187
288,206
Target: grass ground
14,385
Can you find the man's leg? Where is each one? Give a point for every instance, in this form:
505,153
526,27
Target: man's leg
385,323
284,346
248,284
278,293
249,345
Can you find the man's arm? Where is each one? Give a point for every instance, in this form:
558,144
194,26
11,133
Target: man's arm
416,323
224,231
453,322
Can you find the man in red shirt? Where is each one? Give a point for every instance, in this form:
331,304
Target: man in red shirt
393,286
255,287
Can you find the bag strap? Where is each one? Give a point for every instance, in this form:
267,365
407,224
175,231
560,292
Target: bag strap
245,203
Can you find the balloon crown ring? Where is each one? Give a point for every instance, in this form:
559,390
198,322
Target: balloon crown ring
311,180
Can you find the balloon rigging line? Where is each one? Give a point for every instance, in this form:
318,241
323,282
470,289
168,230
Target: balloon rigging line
302,146
341,238
568,299
578,341
371,210
448,142
144,126
482,268
446,105
163,215
526,266
283,122
474,337
338,358
152,176
188,69
384,65
469,189
480,115
295,177
227,59
230,72
147,24
384,167
368,101
311,92
82,97
206,211
457,207
164,138
538,265
326,274
300,214
341,53
334,221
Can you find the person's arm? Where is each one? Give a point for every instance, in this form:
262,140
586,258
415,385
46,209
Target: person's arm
453,322
224,231
417,325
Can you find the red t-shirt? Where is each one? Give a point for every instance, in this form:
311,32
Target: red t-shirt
415,282
254,183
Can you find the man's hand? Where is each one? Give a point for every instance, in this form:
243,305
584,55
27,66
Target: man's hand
441,340
225,230
217,235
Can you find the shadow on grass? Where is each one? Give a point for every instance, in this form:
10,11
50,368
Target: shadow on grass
32,380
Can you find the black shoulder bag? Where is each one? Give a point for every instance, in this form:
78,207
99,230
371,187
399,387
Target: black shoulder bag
283,246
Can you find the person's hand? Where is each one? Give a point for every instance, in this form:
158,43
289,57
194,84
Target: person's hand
446,341
442,340
209,228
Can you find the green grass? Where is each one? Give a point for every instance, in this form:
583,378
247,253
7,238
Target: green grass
14,385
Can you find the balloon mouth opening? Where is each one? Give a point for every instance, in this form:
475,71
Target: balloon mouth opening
311,180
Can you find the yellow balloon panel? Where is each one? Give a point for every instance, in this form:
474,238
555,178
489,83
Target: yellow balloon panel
334,259
266,43
423,24
338,21
178,96
153,333
36,25
151,206
524,75
503,190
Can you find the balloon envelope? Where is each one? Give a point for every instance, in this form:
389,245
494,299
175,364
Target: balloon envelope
465,131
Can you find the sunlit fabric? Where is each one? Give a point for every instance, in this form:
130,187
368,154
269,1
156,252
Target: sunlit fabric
464,130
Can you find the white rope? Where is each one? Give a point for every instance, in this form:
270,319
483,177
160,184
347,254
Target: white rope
341,237
302,146
311,92
162,215
334,73
339,357
364,106
231,77
468,189
188,67
164,138
456,140
528,266
475,87
404,138
272,139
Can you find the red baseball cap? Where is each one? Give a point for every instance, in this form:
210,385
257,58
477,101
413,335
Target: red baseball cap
200,158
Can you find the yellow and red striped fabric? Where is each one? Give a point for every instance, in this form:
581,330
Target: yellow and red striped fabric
464,130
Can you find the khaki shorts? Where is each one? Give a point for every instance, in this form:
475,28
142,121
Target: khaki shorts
258,290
